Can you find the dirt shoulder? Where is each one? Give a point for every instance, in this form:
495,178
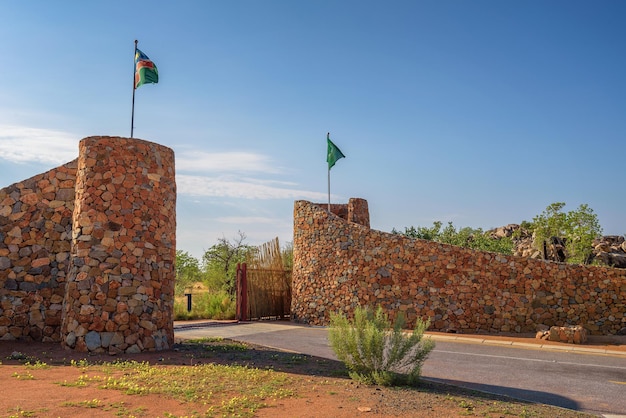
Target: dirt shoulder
45,380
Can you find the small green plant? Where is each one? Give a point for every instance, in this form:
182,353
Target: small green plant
37,365
16,355
21,357
18,412
204,340
23,376
297,359
375,351
94,403
239,390
466,405
525,413
236,404
82,381
80,364
226,347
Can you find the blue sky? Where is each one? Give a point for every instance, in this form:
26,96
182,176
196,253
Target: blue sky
477,112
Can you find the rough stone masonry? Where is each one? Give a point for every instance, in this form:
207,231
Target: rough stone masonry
87,250
339,263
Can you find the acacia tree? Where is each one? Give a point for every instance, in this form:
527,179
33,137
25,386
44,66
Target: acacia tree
579,228
552,222
220,262
584,227
187,270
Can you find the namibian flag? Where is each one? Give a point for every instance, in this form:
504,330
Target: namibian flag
145,70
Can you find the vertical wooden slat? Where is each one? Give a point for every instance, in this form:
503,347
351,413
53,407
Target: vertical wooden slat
241,284
269,285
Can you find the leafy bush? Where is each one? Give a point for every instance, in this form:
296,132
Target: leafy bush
579,228
467,237
375,351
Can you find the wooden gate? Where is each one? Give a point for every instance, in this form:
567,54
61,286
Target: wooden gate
264,285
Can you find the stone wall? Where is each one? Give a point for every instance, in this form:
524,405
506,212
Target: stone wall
340,265
87,250
35,235
356,210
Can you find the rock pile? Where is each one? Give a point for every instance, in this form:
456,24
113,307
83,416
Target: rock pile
569,334
609,250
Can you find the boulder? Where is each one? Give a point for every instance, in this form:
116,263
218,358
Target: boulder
570,334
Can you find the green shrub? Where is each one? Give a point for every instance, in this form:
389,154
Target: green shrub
205,305
475,239
377,352
579,227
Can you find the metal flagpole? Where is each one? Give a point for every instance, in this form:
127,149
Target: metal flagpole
329,189
327,155
132,117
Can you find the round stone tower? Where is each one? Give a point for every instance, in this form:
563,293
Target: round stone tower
120,287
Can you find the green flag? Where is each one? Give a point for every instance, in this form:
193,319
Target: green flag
333,153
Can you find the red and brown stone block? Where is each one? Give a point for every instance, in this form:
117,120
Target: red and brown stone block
35,234
119,252
340,264
96,236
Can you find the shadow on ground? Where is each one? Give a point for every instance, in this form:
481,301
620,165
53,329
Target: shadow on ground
229,352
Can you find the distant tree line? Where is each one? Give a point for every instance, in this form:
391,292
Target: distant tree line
468,237
217,269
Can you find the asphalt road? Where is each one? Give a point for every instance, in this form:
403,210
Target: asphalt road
580,381
583,381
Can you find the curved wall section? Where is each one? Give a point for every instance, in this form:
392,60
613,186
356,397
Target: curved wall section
339,265
120,290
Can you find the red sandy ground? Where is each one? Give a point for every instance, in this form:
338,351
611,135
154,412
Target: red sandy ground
320,393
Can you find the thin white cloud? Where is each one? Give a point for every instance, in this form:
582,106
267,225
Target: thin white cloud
245,220
235,161
20,144
268,181
230,186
